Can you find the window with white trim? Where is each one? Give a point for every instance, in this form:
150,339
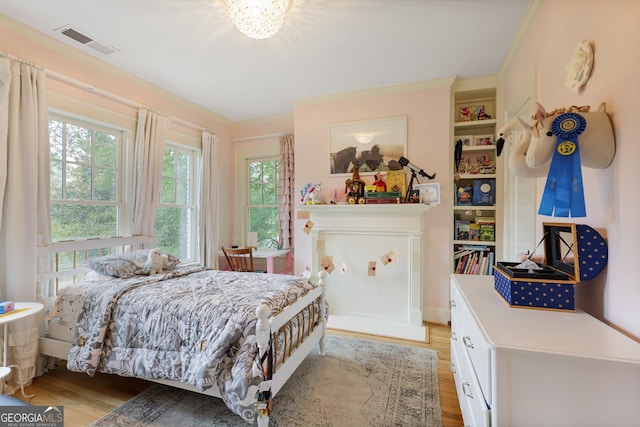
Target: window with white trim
262,206
85,178
176,219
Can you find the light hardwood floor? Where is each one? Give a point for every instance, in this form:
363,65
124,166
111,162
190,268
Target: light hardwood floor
87,399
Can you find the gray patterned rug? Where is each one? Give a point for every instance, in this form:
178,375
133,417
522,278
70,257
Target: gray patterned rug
357,383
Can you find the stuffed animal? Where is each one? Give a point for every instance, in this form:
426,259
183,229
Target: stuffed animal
155,262
309,193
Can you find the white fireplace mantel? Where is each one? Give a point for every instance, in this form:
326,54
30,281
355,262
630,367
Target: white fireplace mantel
388,303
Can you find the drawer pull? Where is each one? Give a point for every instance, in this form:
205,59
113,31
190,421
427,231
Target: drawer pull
466,389
452,368
467,342
452,303
454,337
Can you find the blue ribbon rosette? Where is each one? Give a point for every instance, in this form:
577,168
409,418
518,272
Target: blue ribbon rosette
564,193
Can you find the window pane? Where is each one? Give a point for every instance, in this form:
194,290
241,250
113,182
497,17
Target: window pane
255,194
172,231
55,139
265,222
269,172
105,185
182,192
106,149
269,194
78,144
168,191
182,165
78,182
55,179
83,221
168,166
255,172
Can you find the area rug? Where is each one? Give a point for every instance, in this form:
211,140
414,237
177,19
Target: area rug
357,383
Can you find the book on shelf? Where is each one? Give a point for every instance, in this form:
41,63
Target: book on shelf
484,192
382,201
461,229
396,181
474,259
485,220
474,231
487,232
382,194
464,195
461,253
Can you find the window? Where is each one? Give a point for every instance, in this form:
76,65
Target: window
85,179
262,209
176,223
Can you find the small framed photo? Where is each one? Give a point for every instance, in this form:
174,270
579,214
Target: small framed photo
483,140
467,140
414,196
429,193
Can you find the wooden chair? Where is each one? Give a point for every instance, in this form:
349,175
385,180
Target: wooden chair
239,259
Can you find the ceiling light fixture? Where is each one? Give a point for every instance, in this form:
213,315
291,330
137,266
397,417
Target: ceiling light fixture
258,19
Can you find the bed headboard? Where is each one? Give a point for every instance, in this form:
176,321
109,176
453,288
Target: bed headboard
65,261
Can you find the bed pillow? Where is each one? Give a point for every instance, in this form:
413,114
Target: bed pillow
128,264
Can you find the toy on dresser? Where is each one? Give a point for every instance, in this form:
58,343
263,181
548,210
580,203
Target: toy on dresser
574,253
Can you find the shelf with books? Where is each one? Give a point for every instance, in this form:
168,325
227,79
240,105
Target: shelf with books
476,174
474,259
474,208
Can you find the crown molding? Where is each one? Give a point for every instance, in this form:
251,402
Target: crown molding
523,30
384,90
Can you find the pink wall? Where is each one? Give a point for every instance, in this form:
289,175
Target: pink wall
611,194
428,128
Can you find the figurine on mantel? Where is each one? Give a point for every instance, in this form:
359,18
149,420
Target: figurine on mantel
310,193
381,186
354,187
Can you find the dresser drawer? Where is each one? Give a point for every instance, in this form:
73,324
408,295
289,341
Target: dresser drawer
465,330
475,412
470,334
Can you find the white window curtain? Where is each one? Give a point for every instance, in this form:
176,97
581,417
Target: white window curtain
285,190
151,134
209,202
24,205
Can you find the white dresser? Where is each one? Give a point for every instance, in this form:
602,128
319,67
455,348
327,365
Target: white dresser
530,367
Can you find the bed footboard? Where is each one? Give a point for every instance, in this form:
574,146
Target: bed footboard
309,313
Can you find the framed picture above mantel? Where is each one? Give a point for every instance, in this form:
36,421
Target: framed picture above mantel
371,145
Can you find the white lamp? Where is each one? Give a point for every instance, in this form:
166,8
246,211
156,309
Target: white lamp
258,19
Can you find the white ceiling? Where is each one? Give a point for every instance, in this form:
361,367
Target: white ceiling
325,47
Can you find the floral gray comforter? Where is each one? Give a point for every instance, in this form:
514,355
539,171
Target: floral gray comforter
193,325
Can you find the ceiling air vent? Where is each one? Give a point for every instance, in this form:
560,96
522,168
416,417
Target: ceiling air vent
86,40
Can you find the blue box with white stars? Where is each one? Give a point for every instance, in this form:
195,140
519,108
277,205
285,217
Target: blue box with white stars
573,253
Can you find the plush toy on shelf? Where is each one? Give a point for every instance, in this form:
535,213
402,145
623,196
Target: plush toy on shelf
309,193
354,187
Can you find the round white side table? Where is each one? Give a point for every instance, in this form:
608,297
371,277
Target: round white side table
20,311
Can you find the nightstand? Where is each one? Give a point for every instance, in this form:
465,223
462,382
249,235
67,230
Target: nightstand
21,310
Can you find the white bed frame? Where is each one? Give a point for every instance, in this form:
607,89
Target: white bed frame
266,326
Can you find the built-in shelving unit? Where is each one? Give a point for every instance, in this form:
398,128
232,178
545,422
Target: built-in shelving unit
476,174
